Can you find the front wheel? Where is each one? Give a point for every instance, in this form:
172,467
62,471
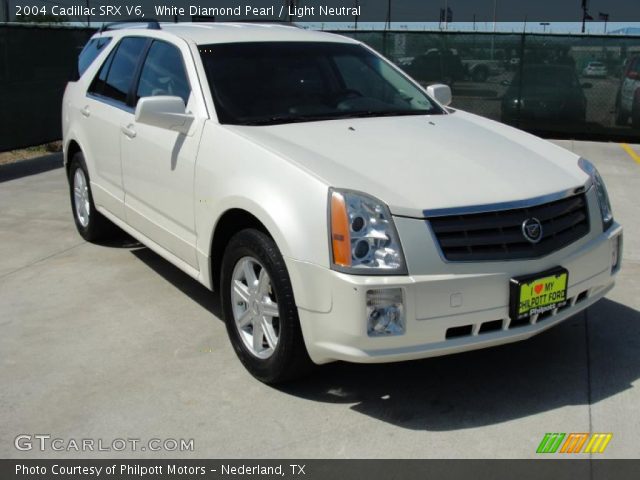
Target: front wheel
259,309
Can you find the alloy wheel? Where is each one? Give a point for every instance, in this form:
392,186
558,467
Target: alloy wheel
81,197
255,308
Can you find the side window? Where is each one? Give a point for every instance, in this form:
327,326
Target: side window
116,75
97,85
163,73
89,53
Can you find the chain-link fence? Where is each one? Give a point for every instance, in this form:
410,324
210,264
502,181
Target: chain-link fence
557,85
35,65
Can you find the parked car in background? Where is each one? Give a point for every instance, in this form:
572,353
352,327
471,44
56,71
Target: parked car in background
628,96
595,70
480,70
436,65
544,94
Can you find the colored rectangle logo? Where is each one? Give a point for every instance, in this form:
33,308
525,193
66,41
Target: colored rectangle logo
575,442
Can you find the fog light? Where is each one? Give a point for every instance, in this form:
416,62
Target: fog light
385,312
616,253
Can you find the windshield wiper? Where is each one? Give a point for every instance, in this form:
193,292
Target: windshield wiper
384,113
277,119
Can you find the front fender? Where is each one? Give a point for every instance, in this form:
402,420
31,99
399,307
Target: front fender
234,173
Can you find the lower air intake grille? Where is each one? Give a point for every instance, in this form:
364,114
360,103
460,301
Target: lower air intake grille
499,235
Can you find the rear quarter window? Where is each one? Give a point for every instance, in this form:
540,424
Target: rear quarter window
90,52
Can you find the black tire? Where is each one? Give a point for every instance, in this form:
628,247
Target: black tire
635,117
289,360
98,227
621,119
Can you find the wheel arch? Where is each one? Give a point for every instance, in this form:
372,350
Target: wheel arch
232,221
72,147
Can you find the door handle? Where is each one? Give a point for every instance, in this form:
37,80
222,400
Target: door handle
85,111
129,131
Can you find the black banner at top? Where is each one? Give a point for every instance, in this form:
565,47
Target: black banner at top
315,11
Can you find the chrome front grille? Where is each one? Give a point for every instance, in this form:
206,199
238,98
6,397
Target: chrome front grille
499,235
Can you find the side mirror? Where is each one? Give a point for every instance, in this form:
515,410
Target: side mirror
164,112
442,93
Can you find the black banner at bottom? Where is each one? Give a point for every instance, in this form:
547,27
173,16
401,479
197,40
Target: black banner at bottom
556,469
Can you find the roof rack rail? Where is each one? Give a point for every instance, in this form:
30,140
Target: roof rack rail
267,21
151,24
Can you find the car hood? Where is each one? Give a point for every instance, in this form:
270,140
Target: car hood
418,163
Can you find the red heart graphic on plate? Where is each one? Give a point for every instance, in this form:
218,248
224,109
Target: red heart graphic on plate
538,288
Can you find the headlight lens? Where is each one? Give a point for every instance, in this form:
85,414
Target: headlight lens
601,191
363,236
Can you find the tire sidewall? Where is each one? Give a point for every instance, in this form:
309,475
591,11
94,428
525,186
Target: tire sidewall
252,243
77,162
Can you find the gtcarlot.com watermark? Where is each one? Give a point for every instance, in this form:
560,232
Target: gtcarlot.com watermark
44,442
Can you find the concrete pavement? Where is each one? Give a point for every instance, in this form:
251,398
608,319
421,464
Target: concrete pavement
111,341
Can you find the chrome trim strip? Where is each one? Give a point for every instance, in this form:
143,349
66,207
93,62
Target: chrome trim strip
110,102
497,207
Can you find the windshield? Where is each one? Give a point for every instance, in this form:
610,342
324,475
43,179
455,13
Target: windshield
282,82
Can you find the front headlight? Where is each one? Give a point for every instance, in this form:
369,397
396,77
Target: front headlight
363,237
601,191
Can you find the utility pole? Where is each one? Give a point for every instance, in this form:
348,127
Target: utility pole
585,14
493,39
605,18
446,9
88,14
495,10
388,25
356,22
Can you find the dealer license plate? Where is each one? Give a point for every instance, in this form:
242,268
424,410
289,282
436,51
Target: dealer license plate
539,293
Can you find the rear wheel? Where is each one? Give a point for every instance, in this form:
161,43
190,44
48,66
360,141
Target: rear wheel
91,224
259,309
621,118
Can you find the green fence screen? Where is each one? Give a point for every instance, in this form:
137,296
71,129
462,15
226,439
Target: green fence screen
35,65
555,85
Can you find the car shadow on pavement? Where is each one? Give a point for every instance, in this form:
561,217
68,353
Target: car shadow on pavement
187,285
484,387
490,386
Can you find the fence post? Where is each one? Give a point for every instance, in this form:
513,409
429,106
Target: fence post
523,37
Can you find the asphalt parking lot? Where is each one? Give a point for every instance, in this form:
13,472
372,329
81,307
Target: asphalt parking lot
111,341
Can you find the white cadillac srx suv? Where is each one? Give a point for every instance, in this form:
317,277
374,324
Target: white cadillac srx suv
341,211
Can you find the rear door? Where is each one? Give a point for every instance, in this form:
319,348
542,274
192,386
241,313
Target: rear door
159,164
105,110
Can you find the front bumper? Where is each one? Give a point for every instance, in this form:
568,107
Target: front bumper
436,303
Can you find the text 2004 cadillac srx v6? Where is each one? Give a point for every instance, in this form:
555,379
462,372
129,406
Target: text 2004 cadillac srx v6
341,211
